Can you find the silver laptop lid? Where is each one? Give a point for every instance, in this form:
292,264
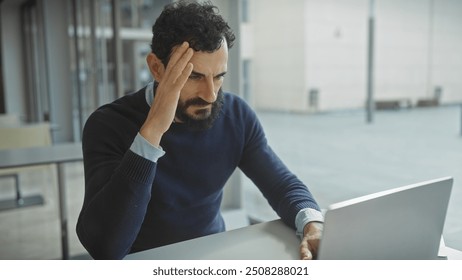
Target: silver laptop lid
401,223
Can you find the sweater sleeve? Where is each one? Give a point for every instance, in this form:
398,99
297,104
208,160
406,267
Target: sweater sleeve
286,194
118,186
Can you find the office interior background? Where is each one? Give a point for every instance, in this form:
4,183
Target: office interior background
356,96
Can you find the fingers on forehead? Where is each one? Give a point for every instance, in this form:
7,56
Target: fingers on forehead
178,51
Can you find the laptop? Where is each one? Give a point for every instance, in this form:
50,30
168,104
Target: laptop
398,224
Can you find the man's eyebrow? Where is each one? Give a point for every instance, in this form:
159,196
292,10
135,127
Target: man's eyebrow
221,74
194,73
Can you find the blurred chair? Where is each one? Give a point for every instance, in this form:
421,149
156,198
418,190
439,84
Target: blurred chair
9,120
14,136
25,136
433,101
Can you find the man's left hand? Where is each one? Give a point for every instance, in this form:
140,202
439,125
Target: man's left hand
310,243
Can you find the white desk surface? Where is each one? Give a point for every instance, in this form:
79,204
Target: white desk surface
450,253
266,241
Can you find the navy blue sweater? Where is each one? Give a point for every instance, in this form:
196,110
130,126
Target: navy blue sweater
133,204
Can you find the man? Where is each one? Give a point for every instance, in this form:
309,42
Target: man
156,160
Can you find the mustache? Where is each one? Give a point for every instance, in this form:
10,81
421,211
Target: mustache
196,101
201,102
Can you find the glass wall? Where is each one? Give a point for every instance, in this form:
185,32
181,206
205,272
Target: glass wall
105,64
38,99
2,90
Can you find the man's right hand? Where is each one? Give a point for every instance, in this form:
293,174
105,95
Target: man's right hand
171,80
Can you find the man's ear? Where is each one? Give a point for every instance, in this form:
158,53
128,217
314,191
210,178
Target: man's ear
156,67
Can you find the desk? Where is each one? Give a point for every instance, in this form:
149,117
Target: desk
57,154
266,241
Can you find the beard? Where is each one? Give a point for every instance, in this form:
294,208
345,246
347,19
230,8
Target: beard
202,119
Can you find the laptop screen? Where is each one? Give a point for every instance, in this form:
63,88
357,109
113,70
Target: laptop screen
401,223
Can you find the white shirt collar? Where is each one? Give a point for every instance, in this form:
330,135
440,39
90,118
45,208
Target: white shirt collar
150,93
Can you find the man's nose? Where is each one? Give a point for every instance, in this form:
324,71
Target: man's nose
208,92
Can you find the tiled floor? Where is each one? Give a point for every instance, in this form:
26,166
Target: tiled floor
337,155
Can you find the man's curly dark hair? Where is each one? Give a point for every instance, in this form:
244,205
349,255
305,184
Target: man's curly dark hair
197,23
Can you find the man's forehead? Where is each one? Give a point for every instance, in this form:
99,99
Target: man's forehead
216,61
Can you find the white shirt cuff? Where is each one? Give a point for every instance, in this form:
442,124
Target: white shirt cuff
305,216
142,147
